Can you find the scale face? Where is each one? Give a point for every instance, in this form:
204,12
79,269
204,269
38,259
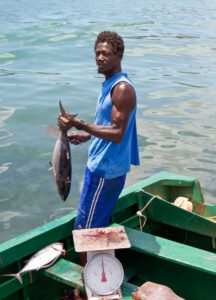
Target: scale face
103,274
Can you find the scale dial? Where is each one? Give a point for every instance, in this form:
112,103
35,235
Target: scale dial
103,274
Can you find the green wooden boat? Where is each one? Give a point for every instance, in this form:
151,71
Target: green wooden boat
169,245
154,197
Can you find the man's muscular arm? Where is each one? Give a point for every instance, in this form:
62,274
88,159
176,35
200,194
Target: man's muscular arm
123,102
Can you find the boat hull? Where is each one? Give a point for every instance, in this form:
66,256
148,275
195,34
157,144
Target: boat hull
160,253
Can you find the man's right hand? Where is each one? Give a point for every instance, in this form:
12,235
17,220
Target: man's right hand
78,138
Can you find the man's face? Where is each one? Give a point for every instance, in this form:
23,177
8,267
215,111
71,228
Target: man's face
107,61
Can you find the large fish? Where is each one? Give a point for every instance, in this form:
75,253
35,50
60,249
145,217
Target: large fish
42,259
61,162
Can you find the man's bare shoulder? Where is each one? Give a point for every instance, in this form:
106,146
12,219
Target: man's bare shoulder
124,87
124,94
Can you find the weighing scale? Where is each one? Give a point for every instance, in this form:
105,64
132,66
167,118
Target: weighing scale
103,272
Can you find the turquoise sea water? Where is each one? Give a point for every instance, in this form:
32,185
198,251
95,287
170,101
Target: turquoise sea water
46,54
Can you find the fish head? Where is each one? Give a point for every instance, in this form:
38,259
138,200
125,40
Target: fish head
59,247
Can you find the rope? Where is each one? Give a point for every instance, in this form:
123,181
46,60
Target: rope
140,214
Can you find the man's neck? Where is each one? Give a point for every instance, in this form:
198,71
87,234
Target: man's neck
113,72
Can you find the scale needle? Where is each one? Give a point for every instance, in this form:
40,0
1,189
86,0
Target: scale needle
103,279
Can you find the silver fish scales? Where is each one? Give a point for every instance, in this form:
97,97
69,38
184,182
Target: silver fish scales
42,259
61,162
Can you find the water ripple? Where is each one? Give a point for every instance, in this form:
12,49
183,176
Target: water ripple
4,167
47,54
62,37
190,85
7,55
6,113
6,216
4,133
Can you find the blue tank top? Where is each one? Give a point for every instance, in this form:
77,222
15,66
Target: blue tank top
110,159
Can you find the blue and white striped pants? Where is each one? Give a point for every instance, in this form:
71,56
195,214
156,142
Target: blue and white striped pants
97,200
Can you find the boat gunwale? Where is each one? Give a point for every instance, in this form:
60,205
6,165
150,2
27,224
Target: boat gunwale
30,242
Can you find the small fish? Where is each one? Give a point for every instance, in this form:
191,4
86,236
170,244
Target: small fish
42,259
61,161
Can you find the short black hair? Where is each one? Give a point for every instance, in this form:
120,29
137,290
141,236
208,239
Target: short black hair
112,38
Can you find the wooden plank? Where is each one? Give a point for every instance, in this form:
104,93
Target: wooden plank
129,273
164,177
132,222
125,201
164,212
12,285
172,251
34,240
70,274
66,272
127,289
94,239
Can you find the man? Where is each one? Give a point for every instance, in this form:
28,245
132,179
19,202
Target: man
113,135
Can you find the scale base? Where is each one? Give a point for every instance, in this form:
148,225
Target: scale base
92,296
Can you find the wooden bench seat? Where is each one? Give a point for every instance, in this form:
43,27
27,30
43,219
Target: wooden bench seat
127,288
66,272
164,249
70,274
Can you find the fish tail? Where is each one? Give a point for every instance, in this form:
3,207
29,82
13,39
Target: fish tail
63,112
17,275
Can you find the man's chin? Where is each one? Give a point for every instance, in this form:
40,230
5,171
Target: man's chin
100,71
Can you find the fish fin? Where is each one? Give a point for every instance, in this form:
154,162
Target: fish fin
50,264
51,166
53,131
17,275
63,112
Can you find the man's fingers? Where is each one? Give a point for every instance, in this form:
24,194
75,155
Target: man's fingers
62,119
75,141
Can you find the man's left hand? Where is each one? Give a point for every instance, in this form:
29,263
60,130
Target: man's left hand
67,121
